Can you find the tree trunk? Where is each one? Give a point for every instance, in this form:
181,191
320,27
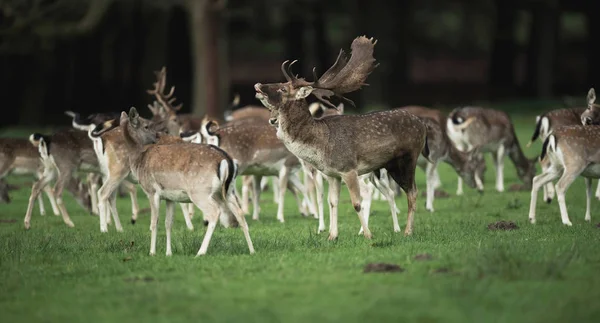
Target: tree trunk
196,10
543,43
502,60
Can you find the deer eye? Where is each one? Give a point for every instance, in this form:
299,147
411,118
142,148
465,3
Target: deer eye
283,90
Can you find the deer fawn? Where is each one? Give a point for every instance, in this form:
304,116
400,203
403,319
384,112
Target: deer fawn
346,146
19,156
491,131
183,172
65,152
569,151
469,165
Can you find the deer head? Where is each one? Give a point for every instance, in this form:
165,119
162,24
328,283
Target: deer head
137,131
472,171
162,109
591,116
346,75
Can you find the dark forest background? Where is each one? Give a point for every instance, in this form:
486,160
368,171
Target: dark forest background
99,55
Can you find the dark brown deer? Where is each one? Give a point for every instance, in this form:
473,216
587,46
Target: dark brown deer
346,146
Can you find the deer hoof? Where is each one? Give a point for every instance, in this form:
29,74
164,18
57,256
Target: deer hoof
549,200
332,238
133,221
568,223
532,220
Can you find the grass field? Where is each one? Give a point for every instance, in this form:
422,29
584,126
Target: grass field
539,273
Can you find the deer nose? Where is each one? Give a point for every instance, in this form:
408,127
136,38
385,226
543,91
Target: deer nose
587,120
257,87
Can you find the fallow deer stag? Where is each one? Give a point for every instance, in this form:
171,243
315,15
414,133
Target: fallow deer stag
469,165
544,125
182,172
18,156
346,146
569,151
491,131
65,152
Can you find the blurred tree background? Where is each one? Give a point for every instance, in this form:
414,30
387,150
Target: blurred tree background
99,55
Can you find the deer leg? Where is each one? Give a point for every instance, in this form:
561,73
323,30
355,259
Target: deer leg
212,214
113,209
284,173
232,206
169,223
320,203
135,207
366,194
547,176
256,196
351,180
246,182
403,173
105,193
499,163
154,199
305,205
187,209
437,183
309,187
430,174
384,186
598,191
58,191
37,188
562,185
50,195
589,194
276,189
40,200
93,189
334,196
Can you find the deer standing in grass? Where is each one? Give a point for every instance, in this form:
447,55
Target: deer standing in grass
470,166
544,126
490,131
182,172
346,146
19,156
63,153
569,152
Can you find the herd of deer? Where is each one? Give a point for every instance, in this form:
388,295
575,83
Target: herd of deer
195,161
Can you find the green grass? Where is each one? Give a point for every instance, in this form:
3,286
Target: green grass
539,273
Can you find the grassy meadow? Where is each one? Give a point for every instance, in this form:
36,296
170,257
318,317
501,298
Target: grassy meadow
538,273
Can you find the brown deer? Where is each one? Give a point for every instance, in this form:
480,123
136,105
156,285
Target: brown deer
470,166
490,131
346,146
19,156
591,115
544,125
569,151
62,154
182,172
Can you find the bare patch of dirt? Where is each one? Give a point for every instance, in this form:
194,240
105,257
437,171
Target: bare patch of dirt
145,279
503,225
423,257
598,225
442,270
8,221
517,188
382,268
438,194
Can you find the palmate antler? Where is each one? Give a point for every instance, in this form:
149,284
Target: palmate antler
165,99
344,76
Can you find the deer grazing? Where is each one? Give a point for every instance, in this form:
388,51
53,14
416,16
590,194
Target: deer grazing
569,151
63,153
346,146
182,172
490,131
470,166
19,156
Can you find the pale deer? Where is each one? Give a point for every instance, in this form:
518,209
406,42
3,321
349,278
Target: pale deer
182,172
346,146
19,156
258,153
544,125
570,151
490,131
469,165
62,154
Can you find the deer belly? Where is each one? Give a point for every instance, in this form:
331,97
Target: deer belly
180,196
592,171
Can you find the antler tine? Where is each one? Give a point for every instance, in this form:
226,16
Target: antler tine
315,78
170,92
284,71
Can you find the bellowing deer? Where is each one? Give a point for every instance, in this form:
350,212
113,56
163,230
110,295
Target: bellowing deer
346,146
569,151
491,131
183,172
19,156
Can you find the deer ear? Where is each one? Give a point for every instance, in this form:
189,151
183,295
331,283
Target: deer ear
303,92
134,117
591,97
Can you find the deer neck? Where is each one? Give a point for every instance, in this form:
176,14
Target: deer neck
134,150
518,158
456,158
295,122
